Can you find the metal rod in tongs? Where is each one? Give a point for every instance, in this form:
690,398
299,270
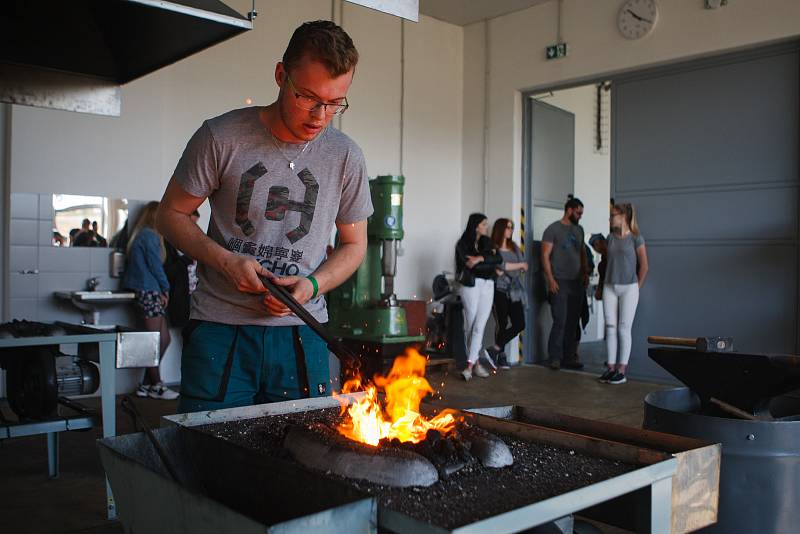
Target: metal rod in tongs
348,359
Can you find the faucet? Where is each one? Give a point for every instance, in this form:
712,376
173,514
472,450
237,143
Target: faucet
92,283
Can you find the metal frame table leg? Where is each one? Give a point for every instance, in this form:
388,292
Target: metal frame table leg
661,506
52,455
108,390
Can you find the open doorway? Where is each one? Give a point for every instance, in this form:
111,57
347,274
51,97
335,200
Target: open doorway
567,152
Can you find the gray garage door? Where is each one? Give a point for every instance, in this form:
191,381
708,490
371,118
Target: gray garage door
708,153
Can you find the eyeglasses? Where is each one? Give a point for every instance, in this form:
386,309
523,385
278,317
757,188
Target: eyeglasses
308,103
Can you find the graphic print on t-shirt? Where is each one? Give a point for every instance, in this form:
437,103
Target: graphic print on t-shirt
245,195
278,202
571,241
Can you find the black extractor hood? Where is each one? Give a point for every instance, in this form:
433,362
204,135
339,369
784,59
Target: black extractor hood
74,54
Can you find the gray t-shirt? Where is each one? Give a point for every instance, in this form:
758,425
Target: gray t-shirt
567,240
621,258
261,208
510,282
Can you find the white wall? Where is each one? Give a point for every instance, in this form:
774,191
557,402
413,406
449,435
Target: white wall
516,63
592,169
134,155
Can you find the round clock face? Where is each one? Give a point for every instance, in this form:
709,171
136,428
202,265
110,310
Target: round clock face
637,18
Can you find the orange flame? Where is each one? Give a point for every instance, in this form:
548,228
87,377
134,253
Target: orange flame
405,387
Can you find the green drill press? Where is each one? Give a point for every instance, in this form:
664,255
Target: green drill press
364,311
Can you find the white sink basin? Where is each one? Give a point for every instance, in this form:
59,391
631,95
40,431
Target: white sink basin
105,297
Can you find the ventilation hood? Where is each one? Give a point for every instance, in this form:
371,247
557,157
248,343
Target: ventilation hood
74,54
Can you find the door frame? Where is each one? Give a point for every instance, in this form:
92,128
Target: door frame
526,217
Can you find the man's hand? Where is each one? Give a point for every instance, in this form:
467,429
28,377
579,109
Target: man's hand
300,287
243,272
552,286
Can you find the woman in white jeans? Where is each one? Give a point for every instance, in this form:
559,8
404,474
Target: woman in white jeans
625,273
476,263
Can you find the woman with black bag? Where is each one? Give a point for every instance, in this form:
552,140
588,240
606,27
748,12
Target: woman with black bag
476,263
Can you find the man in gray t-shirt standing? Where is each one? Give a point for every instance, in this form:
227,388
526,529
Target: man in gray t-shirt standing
278,179
566,271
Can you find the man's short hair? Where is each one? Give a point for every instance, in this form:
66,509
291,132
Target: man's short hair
573,203
322,41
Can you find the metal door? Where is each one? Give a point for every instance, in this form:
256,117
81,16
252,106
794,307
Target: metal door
708,153
549,176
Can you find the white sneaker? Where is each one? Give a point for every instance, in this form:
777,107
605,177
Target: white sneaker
160,391
142,390
479,370
467,374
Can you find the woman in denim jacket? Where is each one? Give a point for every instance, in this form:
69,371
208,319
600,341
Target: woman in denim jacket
145,275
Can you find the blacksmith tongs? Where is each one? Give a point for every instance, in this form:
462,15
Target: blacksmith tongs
350,361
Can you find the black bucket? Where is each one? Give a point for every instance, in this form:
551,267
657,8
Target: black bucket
760,470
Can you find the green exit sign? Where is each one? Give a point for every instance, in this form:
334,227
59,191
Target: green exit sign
556,51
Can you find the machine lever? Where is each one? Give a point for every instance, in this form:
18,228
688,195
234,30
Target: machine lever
350,361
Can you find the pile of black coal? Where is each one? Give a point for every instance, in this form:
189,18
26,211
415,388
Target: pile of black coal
25,328
396,463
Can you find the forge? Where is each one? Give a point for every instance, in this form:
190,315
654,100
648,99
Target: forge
383,438
378,458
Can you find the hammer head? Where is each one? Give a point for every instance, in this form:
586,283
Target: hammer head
715,344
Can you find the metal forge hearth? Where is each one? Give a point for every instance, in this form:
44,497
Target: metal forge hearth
234,464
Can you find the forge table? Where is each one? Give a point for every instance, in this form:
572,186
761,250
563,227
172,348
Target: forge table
107,344
655,475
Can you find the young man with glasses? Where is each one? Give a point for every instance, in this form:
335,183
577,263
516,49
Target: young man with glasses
278,179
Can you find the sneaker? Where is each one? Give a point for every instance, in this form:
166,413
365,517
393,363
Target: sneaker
488,357
160,391
142,390
466,374
502,361
607,375
617,378
555,365
480,371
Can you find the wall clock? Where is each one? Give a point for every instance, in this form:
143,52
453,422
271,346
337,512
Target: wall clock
637,18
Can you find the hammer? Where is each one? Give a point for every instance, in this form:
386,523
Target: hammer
701,344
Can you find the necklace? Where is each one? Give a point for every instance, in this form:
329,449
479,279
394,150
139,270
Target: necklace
290,160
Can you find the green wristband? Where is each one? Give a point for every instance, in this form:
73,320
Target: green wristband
315,284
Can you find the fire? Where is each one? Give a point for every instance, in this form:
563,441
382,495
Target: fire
405,387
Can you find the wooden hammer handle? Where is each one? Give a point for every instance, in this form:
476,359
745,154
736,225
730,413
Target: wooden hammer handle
679,341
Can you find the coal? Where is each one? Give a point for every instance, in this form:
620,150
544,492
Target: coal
319,447
488,448
471,494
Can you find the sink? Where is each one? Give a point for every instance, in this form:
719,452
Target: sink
88,301
97,296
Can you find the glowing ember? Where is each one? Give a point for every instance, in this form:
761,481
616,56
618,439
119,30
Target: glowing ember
405,387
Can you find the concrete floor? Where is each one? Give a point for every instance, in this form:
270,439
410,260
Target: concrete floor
75,502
